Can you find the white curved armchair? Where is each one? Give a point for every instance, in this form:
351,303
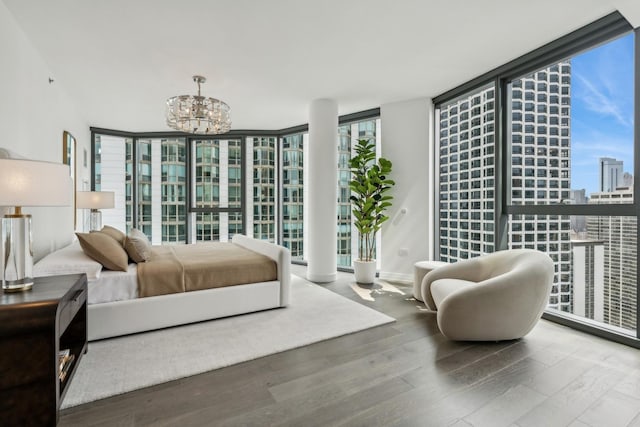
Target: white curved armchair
494,297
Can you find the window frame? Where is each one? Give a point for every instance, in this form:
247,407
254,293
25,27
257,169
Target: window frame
588,37
243,136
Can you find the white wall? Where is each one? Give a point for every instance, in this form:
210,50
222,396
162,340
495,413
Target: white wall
406,236
33,115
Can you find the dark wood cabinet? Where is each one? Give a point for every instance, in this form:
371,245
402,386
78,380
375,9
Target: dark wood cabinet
34,327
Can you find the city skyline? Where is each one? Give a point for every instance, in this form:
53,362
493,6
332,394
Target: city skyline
601,110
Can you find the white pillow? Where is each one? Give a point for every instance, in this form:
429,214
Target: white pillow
68,260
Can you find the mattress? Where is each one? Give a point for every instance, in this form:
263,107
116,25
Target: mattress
114,286
103,285
110,286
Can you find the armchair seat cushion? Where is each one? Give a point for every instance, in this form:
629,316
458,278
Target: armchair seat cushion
440,289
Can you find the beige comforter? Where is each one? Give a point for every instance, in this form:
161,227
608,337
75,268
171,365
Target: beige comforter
184,268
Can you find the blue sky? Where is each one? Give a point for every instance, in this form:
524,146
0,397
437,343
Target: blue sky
601,110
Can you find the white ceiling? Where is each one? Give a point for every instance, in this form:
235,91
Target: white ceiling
119,60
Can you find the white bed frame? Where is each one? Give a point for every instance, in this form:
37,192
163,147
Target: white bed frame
112,319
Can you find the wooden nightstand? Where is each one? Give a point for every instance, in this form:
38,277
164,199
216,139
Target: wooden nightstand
34,326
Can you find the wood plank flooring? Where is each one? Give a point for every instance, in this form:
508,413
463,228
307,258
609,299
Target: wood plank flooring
402,374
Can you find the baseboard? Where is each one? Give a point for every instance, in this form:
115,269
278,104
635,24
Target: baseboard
406,279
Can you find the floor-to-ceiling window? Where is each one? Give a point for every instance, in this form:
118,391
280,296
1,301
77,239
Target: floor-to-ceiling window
216,180
293,190
113,171
190,188
262,205
540,153
343,212
573,121
173,190
161,185
158,168
348,134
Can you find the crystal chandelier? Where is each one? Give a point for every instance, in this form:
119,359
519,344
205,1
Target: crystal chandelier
198,114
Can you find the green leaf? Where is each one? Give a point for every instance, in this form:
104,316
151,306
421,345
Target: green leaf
369,186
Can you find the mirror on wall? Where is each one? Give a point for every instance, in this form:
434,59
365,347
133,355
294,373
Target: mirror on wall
69,158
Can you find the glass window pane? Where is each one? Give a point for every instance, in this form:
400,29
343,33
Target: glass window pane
114,172
162,189
587,146
346,138
264,188
595,279
293,195
466,176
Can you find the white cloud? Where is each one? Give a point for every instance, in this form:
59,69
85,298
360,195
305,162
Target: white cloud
601,103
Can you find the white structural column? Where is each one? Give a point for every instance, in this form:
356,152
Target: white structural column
321,197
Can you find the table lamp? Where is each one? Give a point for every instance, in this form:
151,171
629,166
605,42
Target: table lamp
26,183
95,200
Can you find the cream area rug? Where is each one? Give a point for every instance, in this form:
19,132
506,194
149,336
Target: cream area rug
123,364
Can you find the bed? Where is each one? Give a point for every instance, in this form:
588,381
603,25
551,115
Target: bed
118,310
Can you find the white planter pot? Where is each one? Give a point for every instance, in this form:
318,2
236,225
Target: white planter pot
365,271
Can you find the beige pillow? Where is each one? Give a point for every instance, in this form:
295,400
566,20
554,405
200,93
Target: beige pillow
118,235
105,250
137,246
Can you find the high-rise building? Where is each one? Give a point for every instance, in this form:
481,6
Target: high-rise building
578,197
293,170
161,185
540,169
262,205
540,162
466,189
610,174
578,222
588,277
173,190
293,195
217,182
620,259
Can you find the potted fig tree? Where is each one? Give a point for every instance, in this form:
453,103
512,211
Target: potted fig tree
369,185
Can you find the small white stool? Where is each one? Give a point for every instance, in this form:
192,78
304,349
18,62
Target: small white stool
421,269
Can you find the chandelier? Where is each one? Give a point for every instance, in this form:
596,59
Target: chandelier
198,114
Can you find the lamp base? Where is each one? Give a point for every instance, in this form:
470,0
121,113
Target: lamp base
95,220
17,255
18,285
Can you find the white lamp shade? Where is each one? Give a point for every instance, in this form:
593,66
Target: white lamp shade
34,183
95,199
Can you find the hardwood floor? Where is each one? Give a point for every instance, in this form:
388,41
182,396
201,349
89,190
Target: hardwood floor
406,374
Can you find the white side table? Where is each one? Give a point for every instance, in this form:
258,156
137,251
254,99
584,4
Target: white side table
420,269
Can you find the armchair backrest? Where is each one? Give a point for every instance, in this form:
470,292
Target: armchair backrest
512,260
